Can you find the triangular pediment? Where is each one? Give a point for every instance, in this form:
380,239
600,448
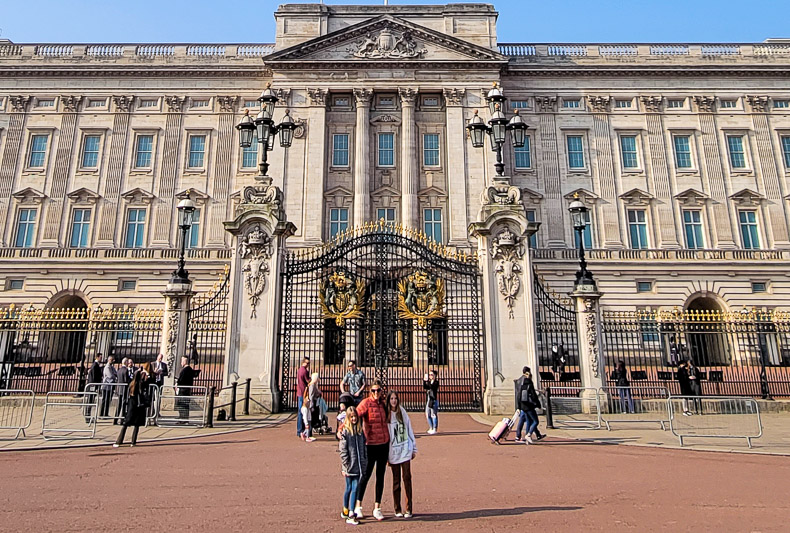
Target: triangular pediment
587,197
199,197
691,198
747,198
385,190
385,39
636,197
138,196
29,195
83,195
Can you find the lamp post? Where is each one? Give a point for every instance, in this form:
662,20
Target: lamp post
186,209
758,343
497,127
265,129
584,278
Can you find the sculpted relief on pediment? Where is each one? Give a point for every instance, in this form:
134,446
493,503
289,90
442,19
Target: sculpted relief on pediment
388,44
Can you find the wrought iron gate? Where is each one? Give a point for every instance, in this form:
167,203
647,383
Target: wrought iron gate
393,301
555,321
207,327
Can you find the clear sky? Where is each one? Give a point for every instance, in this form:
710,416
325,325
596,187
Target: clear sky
229,21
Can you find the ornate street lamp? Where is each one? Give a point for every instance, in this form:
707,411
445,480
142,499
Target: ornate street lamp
584,278
497,128
186,210
265,129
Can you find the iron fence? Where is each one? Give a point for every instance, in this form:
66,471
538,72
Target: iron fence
557,337
207,327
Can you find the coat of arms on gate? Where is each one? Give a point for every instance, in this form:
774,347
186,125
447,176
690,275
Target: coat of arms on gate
341,297
421,297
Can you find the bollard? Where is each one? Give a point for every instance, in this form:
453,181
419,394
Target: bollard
247,386
211,392
233,387
549,417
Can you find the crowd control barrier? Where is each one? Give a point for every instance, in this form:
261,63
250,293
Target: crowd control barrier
16,410
574,407
635,404
70,415
725,417
182,406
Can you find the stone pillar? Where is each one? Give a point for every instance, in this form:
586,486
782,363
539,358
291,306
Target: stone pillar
549,169
409,169
588,326
174,326
502,233
12,157
313,215
456,166
362,157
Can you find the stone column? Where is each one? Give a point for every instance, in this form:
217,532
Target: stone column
409,168
588,326
12,158
362,157
174,326
313,215
456,166
549,169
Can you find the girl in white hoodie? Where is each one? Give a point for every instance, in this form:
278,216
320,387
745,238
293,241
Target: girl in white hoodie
403,448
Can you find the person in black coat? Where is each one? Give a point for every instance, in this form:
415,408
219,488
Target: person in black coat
186,380
139,400
95,375
123,390
620,377
527,401
430,385
160,370
689,381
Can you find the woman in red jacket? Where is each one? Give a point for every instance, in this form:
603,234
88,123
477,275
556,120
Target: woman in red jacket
373,413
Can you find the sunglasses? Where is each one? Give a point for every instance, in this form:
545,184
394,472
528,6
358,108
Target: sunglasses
375,391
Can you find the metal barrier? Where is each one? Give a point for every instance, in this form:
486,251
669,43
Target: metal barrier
573,408
16,410
174,409
70,415
153,391
113,399
726,417
635,404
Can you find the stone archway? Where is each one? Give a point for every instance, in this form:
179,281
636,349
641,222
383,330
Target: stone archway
64,337
708,343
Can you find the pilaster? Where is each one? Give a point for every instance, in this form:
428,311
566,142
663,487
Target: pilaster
456,167
550,169
163,212
315,179
362,156
588,327
224,164
607,184
12,155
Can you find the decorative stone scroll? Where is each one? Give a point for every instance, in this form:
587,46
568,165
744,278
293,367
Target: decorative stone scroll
599,104
652,104
227,104
19,103
172,331
70,103
507,251
123,103
592,335
387,45
175,104
255,249
501,193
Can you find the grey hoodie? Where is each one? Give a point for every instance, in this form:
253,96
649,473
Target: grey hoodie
353,454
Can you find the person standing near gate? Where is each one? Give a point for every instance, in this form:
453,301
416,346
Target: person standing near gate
430,383
403,448
109,378
373,413
139,400
94,376
123,390
185,382
355,381
695,385
620,376
160,370
302,381
558,360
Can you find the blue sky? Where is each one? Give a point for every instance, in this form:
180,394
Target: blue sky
520,20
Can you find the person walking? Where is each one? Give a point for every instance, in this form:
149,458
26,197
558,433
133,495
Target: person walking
353,382
620,377
139,401
302,380
123,391
109,378
528,402
185,382
353,460
373,413
430,383
403,448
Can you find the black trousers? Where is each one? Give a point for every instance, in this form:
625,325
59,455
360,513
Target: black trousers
122,434
378,454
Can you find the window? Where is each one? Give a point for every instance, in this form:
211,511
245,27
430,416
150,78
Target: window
430,101
575,151
649,330
15,285
340,150
338,221
571,103
25,228
148,103
80,228
135,228
387,214
251,103
197,150
519,104
342,101
735,146
386,101
675,103
644,286
127,285
386,149
622,104
781,104
49,102
90,151
433,224
145,146
786,150
637,227
430,149
749,233
532,216
759,286
523,156
199,103
628,148
193,235
38,151
586,234
682,151
249,155
728,104
97,103
692,223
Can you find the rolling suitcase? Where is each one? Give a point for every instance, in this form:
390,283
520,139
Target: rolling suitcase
502,428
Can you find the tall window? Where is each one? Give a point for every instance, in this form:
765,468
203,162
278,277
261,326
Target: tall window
340,150
145,146
430,149
682,151
433,223
38,151
80,228
197,151
25,228
749,233
386,149
586,234
135,228
249,155
786,150
637,227
735,145
628,148
523,156
692,223
90,151
575,151
193,235
338,221
387,214
532,216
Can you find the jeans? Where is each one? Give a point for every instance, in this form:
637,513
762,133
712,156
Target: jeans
350,496
299,422
532,422
626,399
522,419
378,454
432,414
397,470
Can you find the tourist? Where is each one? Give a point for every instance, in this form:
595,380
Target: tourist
109,378
345,401
311,402
94,376
160,370
528,402
138,406
373,413
302,380
354,461
355,381
695,384
185,382
123,390
685,385
403,448
620,377
130,368
430,383
558,360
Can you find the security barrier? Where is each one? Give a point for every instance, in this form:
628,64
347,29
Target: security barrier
574,407
70,415
113,399
634,404
726,417
150,419
16,410
182,406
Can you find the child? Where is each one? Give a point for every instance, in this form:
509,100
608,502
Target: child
353,459
346,401
307,434
403,448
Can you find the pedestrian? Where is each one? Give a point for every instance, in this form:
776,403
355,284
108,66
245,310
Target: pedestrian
620,377
185,382
123,390
354,381
527,402
354,462
558,360
160,371
311,403
95,375
430,383
403,448
674,351
130,368
139,401
695,384
685,386
373,413
109,378
302,380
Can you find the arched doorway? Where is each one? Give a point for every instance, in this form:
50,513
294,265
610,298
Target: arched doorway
708,344
63,335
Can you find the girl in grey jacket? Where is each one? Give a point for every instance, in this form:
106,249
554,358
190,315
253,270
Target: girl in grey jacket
354,461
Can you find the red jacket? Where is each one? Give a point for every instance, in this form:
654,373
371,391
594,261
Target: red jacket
374,419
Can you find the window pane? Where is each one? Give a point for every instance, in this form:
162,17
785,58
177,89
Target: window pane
386,149
786,150
338,221
26,227
682,152
523,157
637,227
749,233
249,156
628,146
431,149
735,144
433,224
340,150
692,222
197,146
38,150
575,152
145,145
135,228
532,217
80,228
90,152
193,234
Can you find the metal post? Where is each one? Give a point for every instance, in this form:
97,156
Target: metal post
233,387
247,386
210,421
549,416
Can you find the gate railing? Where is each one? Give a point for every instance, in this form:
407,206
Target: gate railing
207,326
555,324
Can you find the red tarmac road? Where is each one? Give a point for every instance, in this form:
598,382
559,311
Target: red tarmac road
268,480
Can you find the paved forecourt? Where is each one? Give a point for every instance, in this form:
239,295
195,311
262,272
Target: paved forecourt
266,479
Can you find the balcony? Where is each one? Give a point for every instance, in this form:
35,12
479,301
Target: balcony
571,254
114,253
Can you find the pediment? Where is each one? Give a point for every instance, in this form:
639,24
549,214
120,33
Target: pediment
29,195
691,198
83,195
433,190
384,39
338,191
587,197
199,197
385,190
138,196
747,198
531,197
636,197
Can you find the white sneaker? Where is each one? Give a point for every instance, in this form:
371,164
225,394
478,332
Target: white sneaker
378,515
352,520
407,515
358,512
398,515
116,445
431,431
528,439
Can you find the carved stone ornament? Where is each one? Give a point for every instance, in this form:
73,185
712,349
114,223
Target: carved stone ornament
175,104
386,119
652,104
454,96
387,45
507,251
123,103
363,96
19,103
599,104
421,298
317,97
502,192
227,104
70,103
301,128
255,250
592,334
342,297
407,95
172,331
546,104
706,104
759,104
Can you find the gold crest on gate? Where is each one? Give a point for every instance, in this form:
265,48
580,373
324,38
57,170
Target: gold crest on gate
341,297
421,297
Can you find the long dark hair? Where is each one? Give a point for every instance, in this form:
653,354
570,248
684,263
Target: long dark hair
388,407
136,383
